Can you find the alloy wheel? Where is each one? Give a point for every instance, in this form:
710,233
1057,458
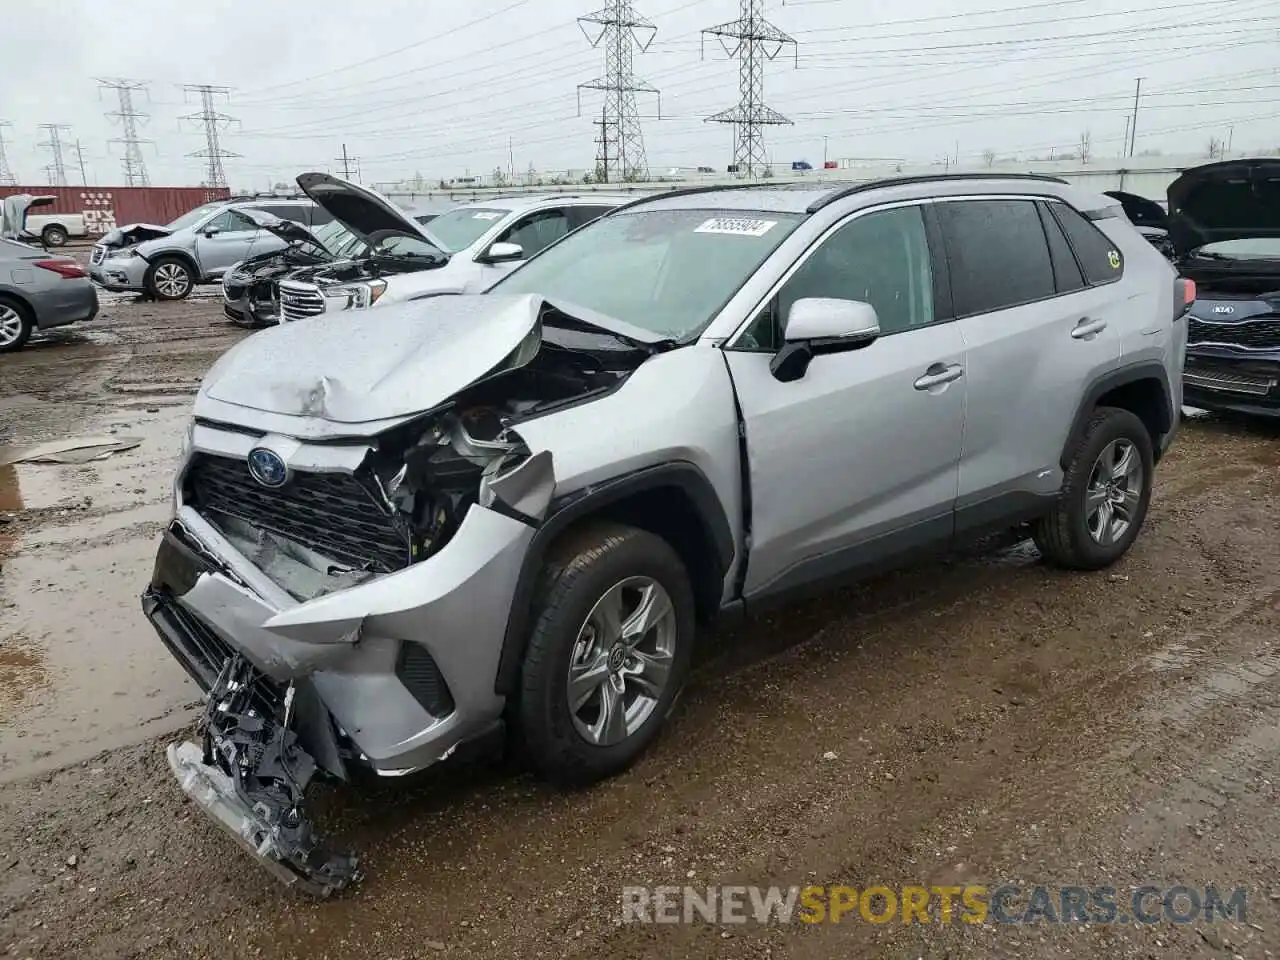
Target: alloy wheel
621,661
10,325
1114,491
172,280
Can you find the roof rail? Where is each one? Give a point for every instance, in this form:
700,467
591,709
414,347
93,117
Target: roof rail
693,191
849,191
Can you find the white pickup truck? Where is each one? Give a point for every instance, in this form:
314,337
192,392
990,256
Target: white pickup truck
55,228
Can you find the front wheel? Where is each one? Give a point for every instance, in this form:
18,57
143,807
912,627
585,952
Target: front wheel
169,278
1105,494
611,646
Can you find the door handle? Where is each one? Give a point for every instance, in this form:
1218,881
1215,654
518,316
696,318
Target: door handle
1087,328
938,374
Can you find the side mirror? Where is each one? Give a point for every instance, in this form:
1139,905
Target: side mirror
211,231
503,253
817,325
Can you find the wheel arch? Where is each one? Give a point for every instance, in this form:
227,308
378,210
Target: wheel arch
1141,388
175,254
674,501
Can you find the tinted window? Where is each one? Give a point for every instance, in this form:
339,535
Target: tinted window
458,229
1066,272
998,253
319,216
537,230
1100,258
881,259
580,216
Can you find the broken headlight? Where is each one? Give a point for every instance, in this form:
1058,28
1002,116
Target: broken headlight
355,296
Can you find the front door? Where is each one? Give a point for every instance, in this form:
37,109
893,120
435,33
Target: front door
228,238
858,459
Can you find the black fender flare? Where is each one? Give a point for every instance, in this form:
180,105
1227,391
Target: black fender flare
1143,370
565,511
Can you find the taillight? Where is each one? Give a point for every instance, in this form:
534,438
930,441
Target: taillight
67,269
1185,295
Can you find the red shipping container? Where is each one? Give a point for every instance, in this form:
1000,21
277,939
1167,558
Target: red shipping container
105,208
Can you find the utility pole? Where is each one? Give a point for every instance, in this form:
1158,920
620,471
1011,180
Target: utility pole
824,153
214,122
58,169
756,40
602,154
619,30
346,163
135,170
7,179
1124,144
511,158
84,176
1133,124
1231,135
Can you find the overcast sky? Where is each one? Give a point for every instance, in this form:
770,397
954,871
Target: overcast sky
445,92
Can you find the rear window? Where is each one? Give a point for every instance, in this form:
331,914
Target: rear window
998,254
1100,258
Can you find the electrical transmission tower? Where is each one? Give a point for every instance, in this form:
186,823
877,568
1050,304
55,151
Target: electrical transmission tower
213,122
619,29
57,169
7,179
135,171
756,40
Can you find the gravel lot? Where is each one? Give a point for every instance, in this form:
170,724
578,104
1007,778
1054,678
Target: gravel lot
983,720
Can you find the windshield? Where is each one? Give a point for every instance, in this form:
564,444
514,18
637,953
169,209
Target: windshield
1246,248
402,245
667,271
459,229
338,240
193,216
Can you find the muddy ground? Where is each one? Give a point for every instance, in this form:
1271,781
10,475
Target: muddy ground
983,720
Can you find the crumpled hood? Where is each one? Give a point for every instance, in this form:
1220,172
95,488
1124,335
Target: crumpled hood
361,366
362,211
133,233
287,230
1230,200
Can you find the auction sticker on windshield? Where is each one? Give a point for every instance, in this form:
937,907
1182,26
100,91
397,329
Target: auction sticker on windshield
485,215
737,225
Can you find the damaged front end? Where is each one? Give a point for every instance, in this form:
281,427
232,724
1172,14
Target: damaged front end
250,776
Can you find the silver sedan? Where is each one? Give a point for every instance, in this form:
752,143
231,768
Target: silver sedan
39,291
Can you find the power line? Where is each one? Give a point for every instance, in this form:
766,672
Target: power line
7,179
135,170
214,122
758,40
57,169
620,30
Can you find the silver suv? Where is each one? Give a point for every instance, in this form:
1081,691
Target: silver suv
445,518
167,262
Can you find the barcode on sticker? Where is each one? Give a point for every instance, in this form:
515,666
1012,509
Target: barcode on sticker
742,226
485,215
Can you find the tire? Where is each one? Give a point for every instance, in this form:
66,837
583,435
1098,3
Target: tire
601,561
1074,535
54,235
170,278
16,324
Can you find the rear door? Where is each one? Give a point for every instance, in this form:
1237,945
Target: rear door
1036,335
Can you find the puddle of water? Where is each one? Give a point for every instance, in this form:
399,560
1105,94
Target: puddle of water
103,672
1175,656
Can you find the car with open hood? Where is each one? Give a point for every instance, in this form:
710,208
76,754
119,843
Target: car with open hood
398,533
1224,224
250,291
465,250
168,262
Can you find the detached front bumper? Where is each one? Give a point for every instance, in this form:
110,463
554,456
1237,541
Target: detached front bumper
120,274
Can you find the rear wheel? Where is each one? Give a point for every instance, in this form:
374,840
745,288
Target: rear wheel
54,235
16,325
1105,495
611,645
169,278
